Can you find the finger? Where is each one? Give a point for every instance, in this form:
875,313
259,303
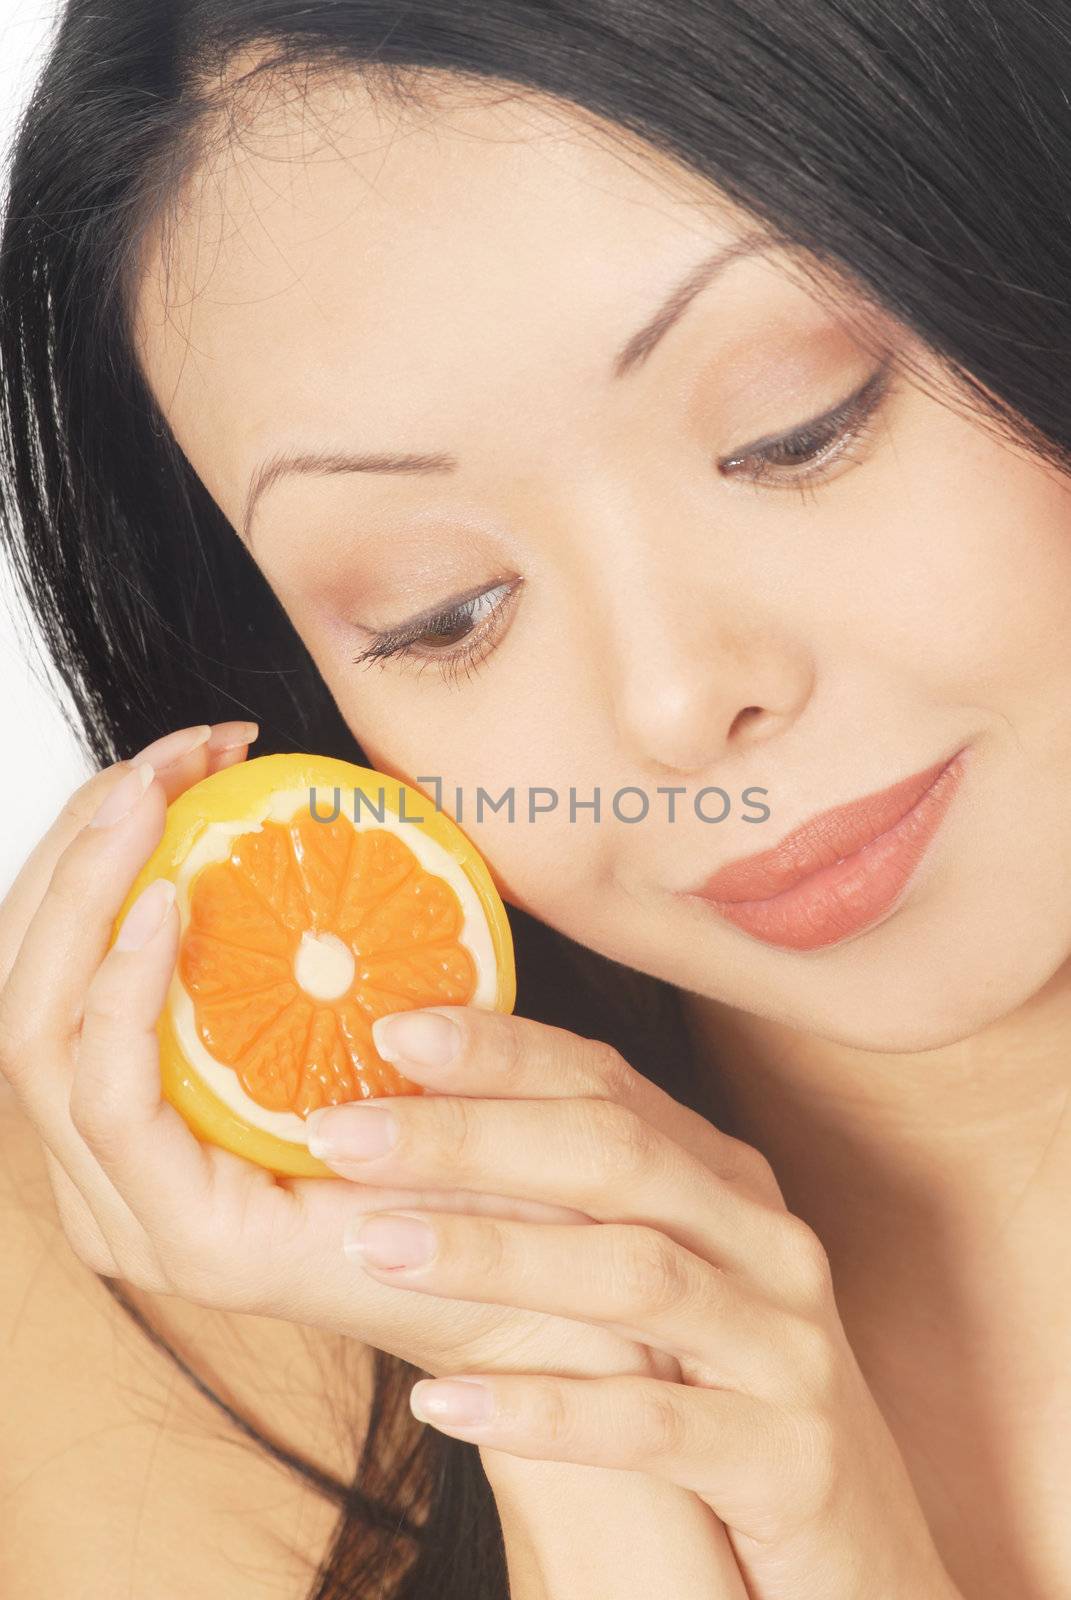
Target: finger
468,1050
24,895
740,1454
100,1225
138,1139
634,1281
468,1202
592,1154
41,1004
93,1216
35,1047
71,925
179,759
81,1228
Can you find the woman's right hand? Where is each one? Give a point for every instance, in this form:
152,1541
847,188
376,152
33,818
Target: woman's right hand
140,1198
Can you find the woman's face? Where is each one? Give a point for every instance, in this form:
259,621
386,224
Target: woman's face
633,600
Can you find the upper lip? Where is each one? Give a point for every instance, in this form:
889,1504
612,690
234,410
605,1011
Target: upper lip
820,841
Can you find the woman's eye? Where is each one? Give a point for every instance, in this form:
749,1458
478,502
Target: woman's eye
457,637
460,635
812,450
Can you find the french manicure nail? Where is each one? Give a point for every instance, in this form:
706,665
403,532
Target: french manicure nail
170,746
124,796
459,1402
350,1133
146,915
232,735
426,1038
390,1241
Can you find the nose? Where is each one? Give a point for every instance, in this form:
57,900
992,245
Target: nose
699,683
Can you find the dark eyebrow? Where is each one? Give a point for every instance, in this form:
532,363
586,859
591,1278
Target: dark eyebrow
641,344
631,355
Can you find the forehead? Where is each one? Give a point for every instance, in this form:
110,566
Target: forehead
343,262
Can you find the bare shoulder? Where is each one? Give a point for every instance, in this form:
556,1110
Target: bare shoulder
116,1475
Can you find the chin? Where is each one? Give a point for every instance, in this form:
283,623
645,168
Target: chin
946,967
925,1004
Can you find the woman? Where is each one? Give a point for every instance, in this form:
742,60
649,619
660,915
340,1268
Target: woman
341,342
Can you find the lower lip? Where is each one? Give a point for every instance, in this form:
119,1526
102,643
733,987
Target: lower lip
854,893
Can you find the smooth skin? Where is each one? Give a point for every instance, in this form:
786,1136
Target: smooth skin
459,279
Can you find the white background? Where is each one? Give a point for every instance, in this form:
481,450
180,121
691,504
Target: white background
40,760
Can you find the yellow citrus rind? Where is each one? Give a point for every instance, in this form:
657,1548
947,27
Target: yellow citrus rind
245,791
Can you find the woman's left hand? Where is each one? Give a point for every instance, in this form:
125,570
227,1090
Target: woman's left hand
694,1254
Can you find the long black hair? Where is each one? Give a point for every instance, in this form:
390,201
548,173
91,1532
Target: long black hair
919,150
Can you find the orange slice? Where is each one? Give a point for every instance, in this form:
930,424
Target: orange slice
314,895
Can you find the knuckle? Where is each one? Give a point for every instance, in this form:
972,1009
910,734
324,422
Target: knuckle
89,1248
130,1264
660,1431
555,1422
73,880
489,1039
805,1260
93,1119
814,1360
749,1165
105,1004
20,1040
451,1136
97,1117
614,1142
650,1270
136,1262
501,1038
78,809
490,1257
149,1280
613,1074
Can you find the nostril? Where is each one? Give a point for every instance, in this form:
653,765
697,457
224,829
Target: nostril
745,719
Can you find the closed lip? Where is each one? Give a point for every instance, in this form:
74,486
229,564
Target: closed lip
821,841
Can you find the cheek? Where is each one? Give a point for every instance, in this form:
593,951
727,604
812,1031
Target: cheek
986,607
1022,634
475,748
951,572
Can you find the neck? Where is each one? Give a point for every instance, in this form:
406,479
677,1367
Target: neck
883,1153
939,1183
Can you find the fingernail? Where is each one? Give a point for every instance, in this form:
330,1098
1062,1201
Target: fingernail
452,1400
426,1038
146,915
350,1133
390,1241
170,746
232,735
124,796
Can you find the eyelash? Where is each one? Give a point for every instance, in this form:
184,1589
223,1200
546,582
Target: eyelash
824,441
457,660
